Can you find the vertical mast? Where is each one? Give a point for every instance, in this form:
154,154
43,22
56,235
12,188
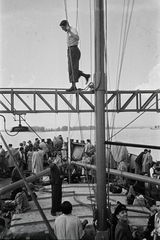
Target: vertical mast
100,120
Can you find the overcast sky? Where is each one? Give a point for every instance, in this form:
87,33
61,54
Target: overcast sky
34,51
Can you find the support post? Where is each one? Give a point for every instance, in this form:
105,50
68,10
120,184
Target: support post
102,231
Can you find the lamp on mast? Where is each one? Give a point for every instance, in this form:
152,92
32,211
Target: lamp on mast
20,128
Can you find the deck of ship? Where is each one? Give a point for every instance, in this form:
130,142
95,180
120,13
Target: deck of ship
82,197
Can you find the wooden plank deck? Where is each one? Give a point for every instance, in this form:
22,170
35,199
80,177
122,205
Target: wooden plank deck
82,198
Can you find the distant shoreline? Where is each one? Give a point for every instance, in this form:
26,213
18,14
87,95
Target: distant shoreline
65,129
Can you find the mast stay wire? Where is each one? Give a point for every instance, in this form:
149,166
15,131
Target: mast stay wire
87,87
69,115
72,71
90,186
131,121
118,66
123,41
69,50
106,97
77,23
77,12
124,33
91,44
66,13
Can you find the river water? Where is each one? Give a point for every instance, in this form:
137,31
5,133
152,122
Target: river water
135,135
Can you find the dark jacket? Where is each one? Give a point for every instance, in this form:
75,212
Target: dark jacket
154,191
139,159
150,227
122,231
56,174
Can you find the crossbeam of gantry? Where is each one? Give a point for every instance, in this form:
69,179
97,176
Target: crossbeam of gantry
23,101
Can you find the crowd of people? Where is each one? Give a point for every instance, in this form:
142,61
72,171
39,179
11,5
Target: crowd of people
141,193
32,157
145,166
121,230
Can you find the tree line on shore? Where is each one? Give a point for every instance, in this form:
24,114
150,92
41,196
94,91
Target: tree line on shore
65,128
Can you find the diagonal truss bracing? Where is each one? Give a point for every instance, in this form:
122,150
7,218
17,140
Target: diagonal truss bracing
22,101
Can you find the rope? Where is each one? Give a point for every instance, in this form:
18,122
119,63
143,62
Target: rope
69,49
77,15
90,85
123,41
90,194
91,57
69,115
65,4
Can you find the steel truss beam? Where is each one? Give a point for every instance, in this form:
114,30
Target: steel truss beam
22,101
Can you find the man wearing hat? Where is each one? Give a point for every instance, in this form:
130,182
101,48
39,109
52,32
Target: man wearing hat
5,233
122,229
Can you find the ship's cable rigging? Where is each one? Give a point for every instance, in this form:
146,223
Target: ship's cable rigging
126,21
91,44
132,121
72,71
71,99
86,88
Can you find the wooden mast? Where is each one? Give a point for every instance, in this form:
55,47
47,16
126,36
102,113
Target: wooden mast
100,121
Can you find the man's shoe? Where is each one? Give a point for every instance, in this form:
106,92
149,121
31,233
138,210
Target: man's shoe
87,78
71,89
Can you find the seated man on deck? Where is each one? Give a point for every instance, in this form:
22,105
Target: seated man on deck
21,201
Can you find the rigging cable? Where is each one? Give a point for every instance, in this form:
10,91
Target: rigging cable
126,27
123,44
69,49
91,57
72,68
69,52
131,121
87,87
91,184
77,15
107,117
120,66
125,36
